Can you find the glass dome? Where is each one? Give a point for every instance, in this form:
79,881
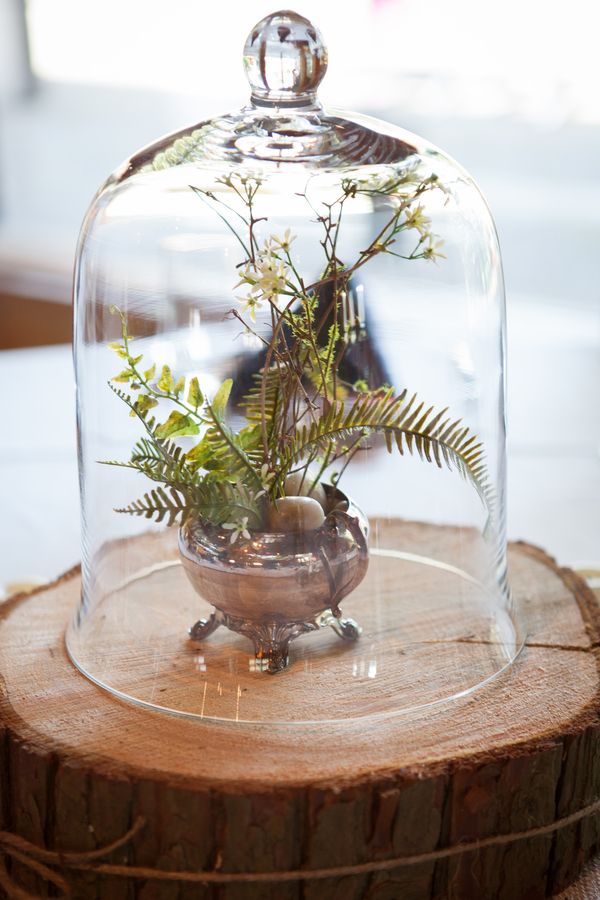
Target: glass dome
290,375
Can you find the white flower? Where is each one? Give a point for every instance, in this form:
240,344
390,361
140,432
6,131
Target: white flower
266,279
238,529
272,277
283,243
250,304
416,218
433,249
247,276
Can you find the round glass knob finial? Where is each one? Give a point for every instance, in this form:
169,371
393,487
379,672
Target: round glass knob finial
285,60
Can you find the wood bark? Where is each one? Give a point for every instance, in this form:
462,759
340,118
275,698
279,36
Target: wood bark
79,767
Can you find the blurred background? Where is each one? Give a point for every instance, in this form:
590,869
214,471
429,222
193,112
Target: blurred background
510,89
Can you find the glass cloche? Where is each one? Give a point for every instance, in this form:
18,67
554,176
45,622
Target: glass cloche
290,371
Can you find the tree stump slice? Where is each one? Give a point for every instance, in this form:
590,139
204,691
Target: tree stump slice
79,768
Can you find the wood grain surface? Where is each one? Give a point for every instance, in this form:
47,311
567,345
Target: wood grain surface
79,767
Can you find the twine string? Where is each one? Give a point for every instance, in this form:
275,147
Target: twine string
35,859
15,892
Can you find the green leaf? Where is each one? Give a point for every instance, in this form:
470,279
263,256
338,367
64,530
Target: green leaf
227,458
249,437
166,381
179,385
199,455
115,311
118,348
143,403
195,397
177,425
124,377
150,373
221,397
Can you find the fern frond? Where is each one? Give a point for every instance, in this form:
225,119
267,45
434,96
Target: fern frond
226,451
162,446
405,423
149,450
252,403
145,450
157,504
320,363
158,458
213,502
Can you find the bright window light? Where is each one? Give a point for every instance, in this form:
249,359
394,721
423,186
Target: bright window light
533,59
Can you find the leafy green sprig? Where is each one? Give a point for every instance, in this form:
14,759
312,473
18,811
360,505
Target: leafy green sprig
229,484
300,414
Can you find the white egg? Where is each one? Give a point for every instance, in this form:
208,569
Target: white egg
296,514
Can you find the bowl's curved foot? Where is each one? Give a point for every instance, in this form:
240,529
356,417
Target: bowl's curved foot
203,627
347,629
272,642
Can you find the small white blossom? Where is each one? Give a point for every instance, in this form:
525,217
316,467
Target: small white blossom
283,243
433,250
250,304
416,218
238,529
272,276
266,278
247,276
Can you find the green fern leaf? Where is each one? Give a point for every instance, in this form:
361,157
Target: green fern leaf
257,411
212,502
406,423
222,450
